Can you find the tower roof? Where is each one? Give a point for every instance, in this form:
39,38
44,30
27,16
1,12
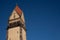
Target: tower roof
18,10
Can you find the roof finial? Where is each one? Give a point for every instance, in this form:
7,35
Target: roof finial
16,4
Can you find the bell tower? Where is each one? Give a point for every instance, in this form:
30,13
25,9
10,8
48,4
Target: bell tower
16,25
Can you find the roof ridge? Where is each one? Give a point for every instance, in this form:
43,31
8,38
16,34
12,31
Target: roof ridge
18,10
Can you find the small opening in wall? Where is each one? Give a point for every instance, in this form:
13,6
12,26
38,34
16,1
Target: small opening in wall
17,31
9,38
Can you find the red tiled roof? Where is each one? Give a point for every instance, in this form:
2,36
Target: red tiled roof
18,10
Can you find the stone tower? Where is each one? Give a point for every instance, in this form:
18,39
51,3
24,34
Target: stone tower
16,25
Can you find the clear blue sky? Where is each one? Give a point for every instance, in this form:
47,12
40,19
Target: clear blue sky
42,18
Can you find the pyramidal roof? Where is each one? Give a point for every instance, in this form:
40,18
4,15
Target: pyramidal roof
18,10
